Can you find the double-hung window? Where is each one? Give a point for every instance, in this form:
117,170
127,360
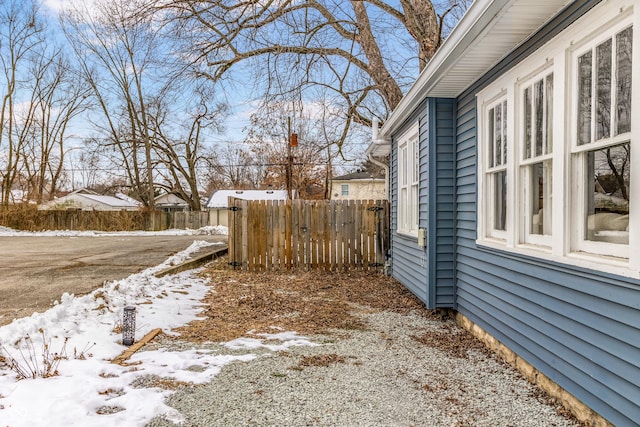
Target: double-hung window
344,190
495,131
536,137
601,148
408,179
556,139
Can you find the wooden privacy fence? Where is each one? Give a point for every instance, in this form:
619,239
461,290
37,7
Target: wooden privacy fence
309,234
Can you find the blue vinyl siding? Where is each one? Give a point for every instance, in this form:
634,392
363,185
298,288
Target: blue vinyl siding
429,272
408,259
578,327
441,170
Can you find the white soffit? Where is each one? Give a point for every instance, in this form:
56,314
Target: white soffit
487,33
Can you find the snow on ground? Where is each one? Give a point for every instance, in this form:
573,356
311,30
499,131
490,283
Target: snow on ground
88,385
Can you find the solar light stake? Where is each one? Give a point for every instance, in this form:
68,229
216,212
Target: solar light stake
129,326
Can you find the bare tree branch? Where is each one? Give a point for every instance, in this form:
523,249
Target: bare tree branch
292,44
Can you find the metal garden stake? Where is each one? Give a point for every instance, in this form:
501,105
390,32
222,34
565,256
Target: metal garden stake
129,326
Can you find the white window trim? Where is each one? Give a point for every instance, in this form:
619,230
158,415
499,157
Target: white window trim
408,167
524,200
486,211
577,152
556,57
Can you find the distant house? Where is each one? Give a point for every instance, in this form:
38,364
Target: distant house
171,202
358,186
513,199
88,200
219,202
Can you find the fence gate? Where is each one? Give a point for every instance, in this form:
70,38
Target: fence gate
309,234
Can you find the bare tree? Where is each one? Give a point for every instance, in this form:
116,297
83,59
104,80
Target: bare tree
231,166
117,52
20,34
86,167
155,116
182,157
303,167
39,99
362,52
57,96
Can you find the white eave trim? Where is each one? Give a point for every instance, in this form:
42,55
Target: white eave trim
474,26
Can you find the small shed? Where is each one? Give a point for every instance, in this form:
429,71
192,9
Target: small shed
171,202
219,201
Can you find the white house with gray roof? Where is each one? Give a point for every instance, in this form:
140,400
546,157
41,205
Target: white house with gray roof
88,200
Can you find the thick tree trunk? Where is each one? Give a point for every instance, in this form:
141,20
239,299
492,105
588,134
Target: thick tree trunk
421,21
385,82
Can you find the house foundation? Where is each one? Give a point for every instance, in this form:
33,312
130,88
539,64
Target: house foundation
582,412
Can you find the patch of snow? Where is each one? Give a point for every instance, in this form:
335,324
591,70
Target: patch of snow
287,340
87,381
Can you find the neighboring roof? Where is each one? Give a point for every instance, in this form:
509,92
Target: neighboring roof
488,31
220,198
368,176
170,199
89,199
126,198
109,200
83,190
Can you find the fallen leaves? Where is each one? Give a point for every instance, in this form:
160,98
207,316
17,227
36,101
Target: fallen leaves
305,302
453,343
321,360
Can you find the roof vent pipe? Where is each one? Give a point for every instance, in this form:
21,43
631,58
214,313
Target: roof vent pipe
375,124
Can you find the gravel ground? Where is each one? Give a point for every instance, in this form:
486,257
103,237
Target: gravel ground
381,375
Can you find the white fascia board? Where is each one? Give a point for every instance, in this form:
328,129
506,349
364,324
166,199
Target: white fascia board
484,23
472,24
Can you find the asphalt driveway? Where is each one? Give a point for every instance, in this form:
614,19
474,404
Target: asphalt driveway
36,270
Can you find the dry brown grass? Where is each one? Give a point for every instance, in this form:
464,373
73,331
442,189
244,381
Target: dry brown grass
307,302
27,217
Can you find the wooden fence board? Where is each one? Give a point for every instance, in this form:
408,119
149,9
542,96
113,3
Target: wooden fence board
364,226
268,237
244,237
339,236
288,236
371,227
357,226
325,233
306,213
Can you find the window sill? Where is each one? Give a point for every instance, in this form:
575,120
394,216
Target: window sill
584,260
408,234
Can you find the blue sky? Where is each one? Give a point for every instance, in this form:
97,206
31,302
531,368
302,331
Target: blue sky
238,93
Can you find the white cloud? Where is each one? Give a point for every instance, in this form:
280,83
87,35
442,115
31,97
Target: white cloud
59,6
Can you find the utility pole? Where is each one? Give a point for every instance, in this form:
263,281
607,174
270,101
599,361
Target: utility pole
289,166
